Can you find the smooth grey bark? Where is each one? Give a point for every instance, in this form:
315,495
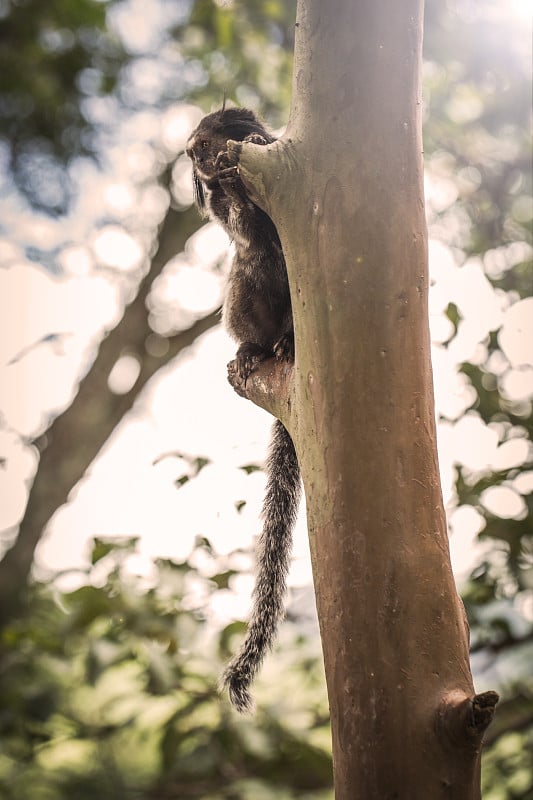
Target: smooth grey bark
344,187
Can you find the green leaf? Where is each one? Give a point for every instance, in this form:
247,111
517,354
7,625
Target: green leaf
103,547
223,578
249,468
200,462
85,605
100,550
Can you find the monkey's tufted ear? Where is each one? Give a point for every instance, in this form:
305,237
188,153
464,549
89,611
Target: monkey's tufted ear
198,189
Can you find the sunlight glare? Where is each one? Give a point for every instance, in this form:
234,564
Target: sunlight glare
512,453
177,124
113,247
504,502
208,245
76,261
188,287
516,334
119,197
124,374
521,8
474,443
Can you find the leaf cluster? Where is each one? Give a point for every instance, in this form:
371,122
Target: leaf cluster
109,690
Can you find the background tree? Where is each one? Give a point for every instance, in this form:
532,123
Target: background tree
476,85
36,149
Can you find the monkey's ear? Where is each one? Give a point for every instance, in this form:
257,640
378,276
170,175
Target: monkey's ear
198,189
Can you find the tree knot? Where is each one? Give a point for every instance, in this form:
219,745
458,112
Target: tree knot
462,720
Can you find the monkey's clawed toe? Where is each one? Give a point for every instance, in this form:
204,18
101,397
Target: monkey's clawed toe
226,163
249,356
246,365
284,347
255,138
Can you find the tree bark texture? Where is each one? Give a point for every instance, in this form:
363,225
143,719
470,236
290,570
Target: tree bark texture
344,188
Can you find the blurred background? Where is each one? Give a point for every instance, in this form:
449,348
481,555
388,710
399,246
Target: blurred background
130,472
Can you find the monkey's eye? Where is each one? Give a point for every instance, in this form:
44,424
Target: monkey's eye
204,144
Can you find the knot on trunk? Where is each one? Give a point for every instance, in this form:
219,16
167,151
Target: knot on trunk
462,720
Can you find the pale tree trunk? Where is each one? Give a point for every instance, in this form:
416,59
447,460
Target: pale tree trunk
344,187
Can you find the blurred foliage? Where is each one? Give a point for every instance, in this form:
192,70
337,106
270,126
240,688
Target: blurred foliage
109,691
477,139
69,69
477,84
245,49
51,55
507,768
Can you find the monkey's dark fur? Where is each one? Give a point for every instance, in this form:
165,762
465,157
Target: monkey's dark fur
257,314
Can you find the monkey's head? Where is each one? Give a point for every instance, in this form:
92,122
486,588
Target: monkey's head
210,138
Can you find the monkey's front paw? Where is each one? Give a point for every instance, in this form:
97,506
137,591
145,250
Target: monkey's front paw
226,163
284,347
255,138
227,174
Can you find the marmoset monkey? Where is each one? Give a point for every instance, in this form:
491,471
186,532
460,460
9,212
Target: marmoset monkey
257,314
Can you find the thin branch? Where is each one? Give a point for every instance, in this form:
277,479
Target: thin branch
504,644
270,386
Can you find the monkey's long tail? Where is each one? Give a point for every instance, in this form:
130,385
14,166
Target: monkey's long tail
273,558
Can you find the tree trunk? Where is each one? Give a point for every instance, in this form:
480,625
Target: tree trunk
344,187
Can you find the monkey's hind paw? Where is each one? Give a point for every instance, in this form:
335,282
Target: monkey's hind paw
255,138
249,356
284,347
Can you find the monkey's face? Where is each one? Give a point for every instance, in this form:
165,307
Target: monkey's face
211,138
203,148
212,134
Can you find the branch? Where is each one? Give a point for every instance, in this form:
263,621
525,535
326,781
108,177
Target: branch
263,170
270,386
503,644
77,435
